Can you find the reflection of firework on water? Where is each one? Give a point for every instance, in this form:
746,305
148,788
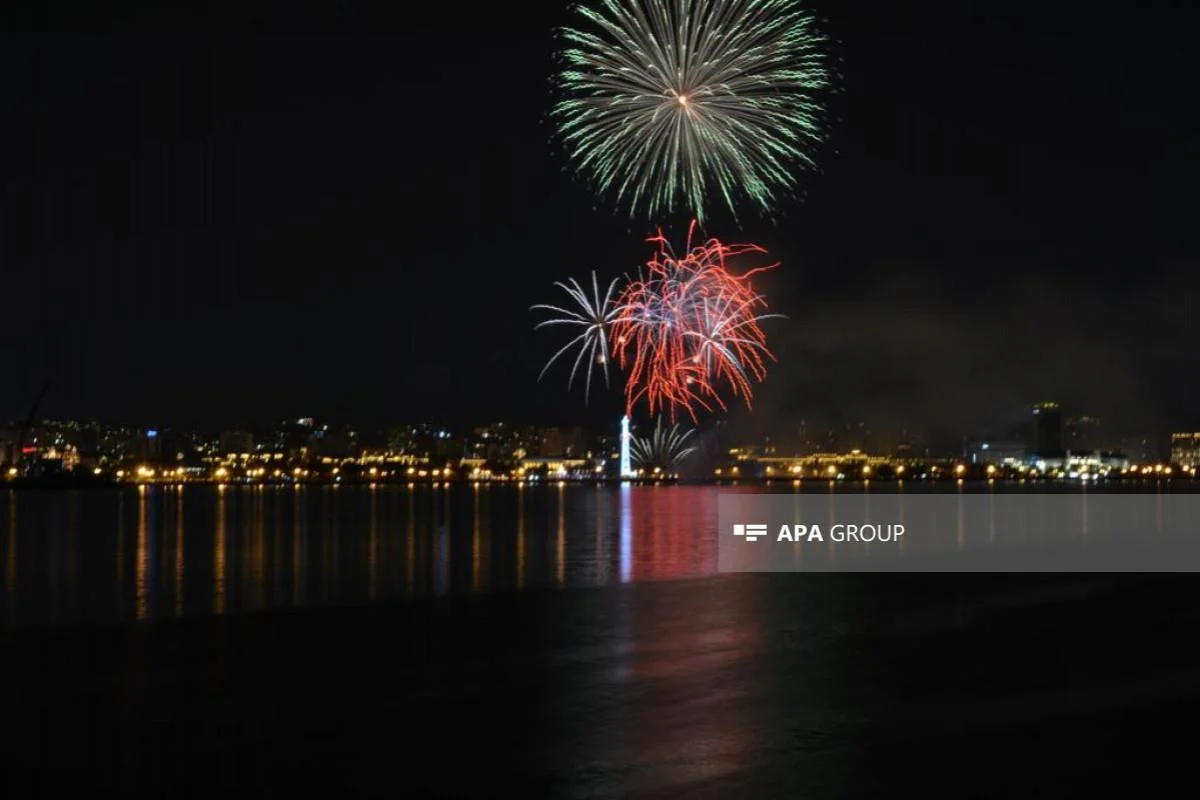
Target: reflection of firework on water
671,101
687,326
594,314
663,450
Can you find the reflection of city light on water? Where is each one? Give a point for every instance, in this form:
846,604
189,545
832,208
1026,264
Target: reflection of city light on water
443,560
626,533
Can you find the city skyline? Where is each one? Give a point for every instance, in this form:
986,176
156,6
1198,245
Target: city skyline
1044,428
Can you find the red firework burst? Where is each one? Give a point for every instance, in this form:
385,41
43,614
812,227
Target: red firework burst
688,327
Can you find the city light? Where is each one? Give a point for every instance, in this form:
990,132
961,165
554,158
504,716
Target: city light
539,457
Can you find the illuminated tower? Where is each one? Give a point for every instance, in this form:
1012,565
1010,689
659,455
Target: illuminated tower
626,467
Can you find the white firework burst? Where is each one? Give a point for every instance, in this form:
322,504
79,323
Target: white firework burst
593,314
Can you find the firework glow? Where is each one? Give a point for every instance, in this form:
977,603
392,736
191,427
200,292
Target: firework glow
685,330
663,449
666,102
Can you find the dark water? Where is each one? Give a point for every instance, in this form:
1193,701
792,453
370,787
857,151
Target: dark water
554,642
155,553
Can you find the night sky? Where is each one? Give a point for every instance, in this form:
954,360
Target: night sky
259,213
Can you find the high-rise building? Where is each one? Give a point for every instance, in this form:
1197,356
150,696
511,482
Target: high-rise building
1185,449
1047,429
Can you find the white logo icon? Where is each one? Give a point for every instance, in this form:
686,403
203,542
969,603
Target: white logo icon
751,532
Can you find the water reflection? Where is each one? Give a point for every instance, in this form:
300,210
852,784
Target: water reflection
442,557
255,577
203,550
298,538
626,533
991,518
477,542
373,546
219,553
961,536
520,536
560,553
10,554
141,602
410,540
179,552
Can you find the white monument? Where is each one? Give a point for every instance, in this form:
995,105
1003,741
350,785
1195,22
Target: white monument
626,466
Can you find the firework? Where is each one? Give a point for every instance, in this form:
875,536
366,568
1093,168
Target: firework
663,450
594,314
665,103
688,327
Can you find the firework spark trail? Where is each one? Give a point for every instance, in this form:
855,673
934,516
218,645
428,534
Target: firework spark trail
662,449
595,314
688,326
666,102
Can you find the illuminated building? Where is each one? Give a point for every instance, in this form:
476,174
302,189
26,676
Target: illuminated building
997,452
1185,449
1082,463
558,467
1047,430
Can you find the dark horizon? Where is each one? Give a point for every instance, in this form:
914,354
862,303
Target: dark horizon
284,213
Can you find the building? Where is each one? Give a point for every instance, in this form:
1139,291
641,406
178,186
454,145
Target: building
559,467
1075,464
234,442
559,442
999,452
1047,430
1185,449
10,446
150,446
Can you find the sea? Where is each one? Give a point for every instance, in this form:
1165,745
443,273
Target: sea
555,641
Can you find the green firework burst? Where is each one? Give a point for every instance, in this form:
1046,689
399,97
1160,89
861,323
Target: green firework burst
664,103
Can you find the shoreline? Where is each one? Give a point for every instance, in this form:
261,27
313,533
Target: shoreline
20,484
